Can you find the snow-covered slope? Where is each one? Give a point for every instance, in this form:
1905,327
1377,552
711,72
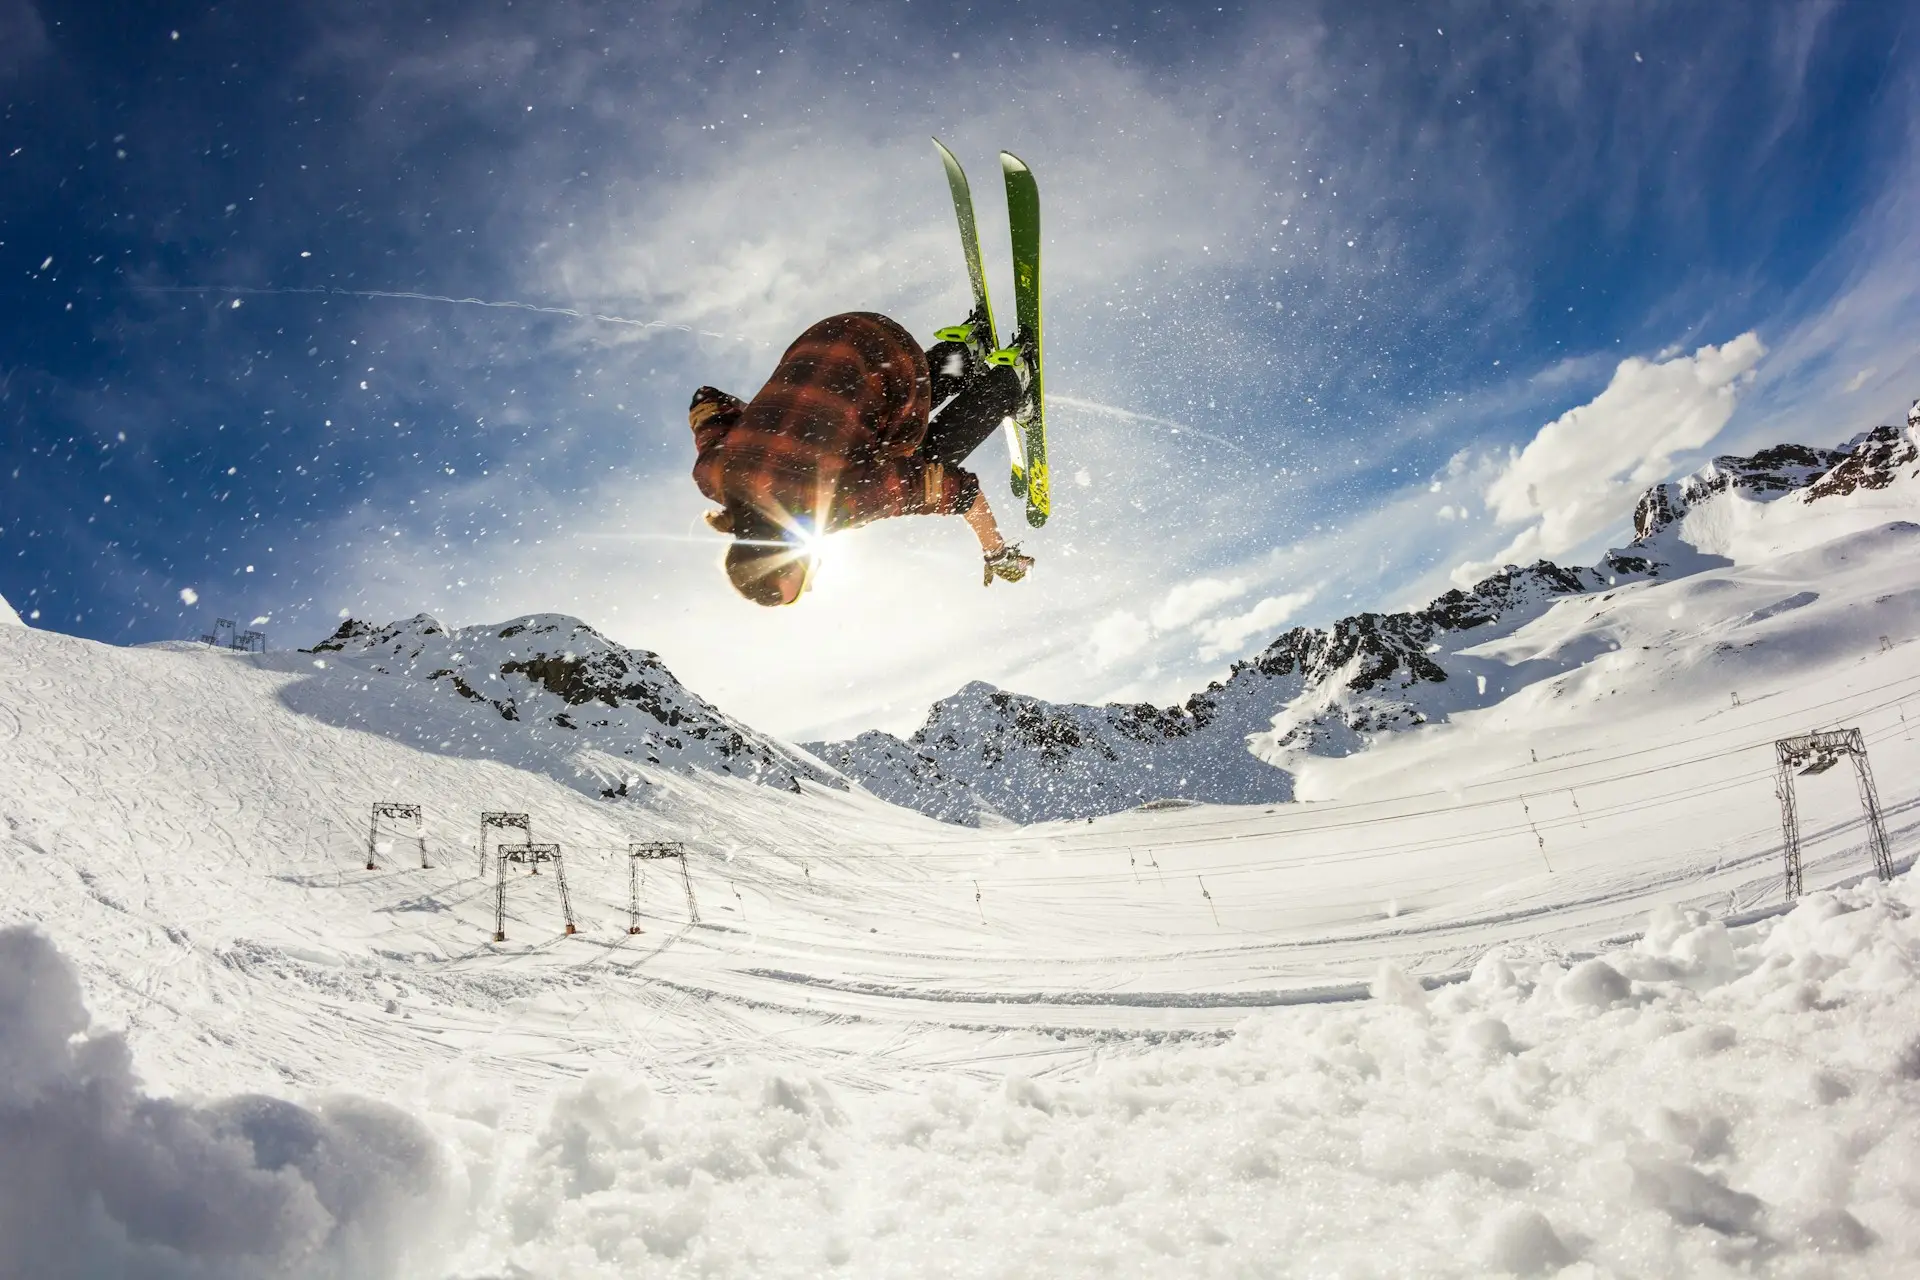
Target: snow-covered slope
1329,692
574,704
8,618
893,1046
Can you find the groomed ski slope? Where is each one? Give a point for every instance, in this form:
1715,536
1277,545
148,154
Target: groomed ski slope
1123,1047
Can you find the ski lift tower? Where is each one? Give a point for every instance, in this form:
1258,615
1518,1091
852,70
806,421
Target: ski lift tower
394,812
531,856
1812,753
649,851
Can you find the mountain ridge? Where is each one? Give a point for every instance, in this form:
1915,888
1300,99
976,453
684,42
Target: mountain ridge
986,754
577,691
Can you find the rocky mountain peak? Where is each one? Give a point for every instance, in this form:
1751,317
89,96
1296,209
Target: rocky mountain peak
551,672
1871,460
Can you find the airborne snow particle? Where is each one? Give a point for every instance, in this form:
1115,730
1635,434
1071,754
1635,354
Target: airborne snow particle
189,596
236,304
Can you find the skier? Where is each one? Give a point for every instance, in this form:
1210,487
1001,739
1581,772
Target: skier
856,424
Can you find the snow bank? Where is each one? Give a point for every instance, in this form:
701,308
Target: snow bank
98,1179
9,618
1706,1102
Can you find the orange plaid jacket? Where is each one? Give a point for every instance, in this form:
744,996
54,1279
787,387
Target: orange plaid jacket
832,435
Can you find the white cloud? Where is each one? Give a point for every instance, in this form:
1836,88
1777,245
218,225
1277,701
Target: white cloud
1222,636
1191,600
1118,635
1580,474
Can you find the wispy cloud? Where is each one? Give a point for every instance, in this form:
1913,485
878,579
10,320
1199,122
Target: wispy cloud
1582,470
1220,636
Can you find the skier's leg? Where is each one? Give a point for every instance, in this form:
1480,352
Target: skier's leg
951,365
975,414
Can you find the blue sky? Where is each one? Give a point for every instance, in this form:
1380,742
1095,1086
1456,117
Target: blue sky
1339,298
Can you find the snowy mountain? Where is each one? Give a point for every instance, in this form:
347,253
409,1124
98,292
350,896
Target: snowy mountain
1330,692
593,711
9,618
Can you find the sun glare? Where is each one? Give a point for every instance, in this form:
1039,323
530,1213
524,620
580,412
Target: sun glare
830,564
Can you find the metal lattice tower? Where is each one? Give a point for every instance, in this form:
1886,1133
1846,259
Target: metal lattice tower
531,856
392,811
520,820
1811,753
648,851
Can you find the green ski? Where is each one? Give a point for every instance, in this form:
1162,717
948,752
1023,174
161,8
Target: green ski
1023,352
978,331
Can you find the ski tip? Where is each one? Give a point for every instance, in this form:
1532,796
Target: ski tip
1012,163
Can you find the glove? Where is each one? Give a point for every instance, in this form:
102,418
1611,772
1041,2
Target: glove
1006,564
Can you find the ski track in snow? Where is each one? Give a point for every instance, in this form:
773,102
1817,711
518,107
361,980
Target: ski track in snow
843,1060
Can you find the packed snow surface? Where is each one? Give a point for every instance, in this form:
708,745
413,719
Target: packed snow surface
1516,993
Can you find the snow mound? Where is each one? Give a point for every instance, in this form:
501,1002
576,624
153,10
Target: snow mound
1709,1101
1705,1101
546,692
98,1178
8,617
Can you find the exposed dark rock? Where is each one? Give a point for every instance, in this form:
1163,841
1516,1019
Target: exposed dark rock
1874,462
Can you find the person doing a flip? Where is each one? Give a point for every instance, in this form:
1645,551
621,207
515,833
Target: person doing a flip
856,424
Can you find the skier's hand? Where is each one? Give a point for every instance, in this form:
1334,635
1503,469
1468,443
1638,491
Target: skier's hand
1008,564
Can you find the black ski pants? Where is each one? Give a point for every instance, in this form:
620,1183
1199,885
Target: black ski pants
981,399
